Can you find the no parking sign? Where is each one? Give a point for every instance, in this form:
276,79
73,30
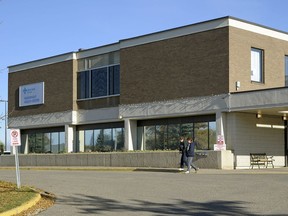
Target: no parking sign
15,137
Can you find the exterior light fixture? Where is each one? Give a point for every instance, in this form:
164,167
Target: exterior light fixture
258,115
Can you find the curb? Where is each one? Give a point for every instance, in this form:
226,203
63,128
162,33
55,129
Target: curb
23,207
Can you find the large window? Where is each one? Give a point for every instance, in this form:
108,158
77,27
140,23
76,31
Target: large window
101,138
257,65
99,82
286,70
46,142
99,76
164,133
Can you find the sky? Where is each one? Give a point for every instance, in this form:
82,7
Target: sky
34,29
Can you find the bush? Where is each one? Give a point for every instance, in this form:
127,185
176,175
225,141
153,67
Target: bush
1,148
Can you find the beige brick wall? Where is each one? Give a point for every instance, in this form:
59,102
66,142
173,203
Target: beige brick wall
240,43
188,66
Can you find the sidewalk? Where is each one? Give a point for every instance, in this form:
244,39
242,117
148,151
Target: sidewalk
278,170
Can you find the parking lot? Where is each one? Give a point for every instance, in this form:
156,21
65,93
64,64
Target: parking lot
160,191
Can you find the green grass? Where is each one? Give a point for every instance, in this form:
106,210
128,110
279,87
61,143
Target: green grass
11,196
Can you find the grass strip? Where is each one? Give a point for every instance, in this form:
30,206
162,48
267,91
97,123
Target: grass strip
12,197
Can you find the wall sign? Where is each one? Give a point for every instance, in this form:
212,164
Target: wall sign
32,94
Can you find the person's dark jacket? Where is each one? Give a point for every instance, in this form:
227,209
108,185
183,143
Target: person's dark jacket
190,150
182,147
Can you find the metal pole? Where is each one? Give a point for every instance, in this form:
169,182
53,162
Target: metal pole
5,147
5,116
17,167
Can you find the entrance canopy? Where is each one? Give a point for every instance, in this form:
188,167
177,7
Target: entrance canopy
262,102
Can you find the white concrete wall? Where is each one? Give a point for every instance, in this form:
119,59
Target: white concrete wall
244,138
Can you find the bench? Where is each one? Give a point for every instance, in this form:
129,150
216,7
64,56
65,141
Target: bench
260,159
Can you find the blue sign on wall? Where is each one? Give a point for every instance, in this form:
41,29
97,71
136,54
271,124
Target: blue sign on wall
32,94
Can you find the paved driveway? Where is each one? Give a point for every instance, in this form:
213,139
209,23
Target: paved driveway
209,192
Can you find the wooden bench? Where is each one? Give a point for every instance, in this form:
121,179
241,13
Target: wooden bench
260,159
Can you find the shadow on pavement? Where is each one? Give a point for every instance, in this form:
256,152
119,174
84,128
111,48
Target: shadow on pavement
157,170
99,205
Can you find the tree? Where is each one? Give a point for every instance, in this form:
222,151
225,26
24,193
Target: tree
1,147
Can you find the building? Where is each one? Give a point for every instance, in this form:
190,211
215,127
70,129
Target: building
219,79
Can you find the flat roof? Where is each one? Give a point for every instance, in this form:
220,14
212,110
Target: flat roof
157,36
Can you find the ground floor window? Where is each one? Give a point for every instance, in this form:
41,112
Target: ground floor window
101,137
161,134
44,141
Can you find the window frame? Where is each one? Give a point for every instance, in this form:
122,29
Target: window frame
90,85
254,78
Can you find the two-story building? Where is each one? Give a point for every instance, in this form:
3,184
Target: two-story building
219,78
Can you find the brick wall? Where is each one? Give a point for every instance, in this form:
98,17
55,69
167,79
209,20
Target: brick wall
187,66
241,42
58,79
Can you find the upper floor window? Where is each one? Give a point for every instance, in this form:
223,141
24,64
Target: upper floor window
99,75
256,65
286,70
99,82
98,61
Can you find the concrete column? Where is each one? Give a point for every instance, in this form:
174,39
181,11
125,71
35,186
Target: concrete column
130,134
220,124
25,143
81,141
70,137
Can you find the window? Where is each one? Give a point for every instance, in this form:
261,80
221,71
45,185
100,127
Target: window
98,61
53,142
89,144
256,65
99,76
99,82
101,140
83,84
161,134
286,70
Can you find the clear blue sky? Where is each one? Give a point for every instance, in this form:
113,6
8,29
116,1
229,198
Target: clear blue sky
35,29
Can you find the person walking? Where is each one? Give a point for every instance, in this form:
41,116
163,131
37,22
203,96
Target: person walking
190,153
182,151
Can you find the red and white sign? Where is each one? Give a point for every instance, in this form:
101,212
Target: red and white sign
219,147
220,139
15,137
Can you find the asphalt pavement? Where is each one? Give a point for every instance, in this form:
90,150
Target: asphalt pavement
157,192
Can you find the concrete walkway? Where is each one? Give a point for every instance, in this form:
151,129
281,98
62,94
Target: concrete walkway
131,191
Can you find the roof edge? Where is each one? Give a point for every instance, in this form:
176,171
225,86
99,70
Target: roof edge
225,21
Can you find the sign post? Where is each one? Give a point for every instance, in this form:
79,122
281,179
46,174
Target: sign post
15,138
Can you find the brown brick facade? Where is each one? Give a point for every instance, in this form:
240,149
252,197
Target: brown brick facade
187,66
58,92
199,64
